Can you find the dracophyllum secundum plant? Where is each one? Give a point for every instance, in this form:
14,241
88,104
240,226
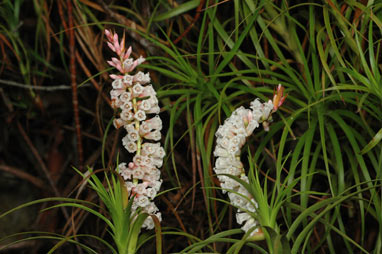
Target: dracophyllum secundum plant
135,100
128,192
129,199
231,136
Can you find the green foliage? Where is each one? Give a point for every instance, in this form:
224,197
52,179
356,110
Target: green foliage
316,174
326,72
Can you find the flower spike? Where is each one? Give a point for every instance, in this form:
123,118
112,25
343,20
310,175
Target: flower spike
136,101
230,137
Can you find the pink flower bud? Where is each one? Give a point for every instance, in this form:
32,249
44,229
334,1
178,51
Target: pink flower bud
107,32
278,98
118,123
127,54
113,76
111,46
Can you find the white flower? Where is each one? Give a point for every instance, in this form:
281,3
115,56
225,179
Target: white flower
128,64
140,189
268,107
252,125
159,152
126,174
118,122
149,148
152,178
140,115
147,161
145,105
221,152
157,162
241,217
129,127
151,208
144,128
151,193
133,135
129,185
252,206
142,201
128,80
118,84
138,173
116,103
131,147
225,162
129,143
125,97
155,123
233,171
157,184
222,140
142,78
114,93
149,92
140,60
249,224
154,109
138,159
137,89
127,115
148,223
229,184
122,166
154,135
255,105
261,111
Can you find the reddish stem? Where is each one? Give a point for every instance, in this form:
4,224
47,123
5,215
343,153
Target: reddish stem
74,85
196,17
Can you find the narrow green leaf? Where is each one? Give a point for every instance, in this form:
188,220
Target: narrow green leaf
182,8
375,140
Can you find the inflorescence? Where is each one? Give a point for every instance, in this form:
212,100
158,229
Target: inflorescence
230,137
135,100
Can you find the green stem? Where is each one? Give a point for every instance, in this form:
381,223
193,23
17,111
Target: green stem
137,125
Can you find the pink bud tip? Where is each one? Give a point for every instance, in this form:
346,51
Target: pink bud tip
278,97
111,46
115,38
113,76
111,63
127,54
109,35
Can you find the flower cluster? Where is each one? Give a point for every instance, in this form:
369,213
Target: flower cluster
135,100
230,137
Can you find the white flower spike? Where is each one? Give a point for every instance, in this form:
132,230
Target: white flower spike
136,102
230,137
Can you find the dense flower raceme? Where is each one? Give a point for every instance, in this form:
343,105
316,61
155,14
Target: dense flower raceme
136,101
230,137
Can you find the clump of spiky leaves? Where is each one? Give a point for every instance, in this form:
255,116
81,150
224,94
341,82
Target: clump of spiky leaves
125,223
76,238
